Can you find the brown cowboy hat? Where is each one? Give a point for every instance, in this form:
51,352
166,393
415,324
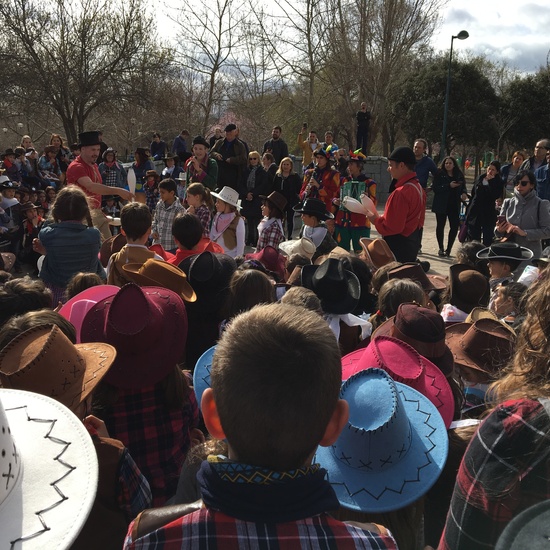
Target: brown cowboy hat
415,272
276,199
157,273
377,252
111,246
424,330
43,360
468,288
485,345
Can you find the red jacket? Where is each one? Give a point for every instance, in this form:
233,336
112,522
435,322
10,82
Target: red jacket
405,209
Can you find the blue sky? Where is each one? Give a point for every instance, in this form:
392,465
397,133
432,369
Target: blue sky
504,31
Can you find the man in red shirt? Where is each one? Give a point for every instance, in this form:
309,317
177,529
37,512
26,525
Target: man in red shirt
403,216
84,173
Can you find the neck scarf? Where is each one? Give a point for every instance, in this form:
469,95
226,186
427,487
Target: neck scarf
251,493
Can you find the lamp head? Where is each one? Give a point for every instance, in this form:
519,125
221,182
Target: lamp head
462,35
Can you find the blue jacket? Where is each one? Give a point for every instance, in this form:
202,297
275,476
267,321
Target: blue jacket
543,182
71,248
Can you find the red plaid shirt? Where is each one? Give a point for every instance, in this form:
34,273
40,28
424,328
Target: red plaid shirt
209,529
505,470
270,236
158,439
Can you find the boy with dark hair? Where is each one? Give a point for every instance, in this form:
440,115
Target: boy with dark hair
19,296
187,232
168,207
135,225
285,361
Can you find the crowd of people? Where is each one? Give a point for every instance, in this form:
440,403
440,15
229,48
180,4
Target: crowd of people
319,390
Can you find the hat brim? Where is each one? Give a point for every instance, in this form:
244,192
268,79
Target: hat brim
453,334
218,196
132,270
321,216
402,484
390,256
201,374
296,246
57,454
526,254
9,260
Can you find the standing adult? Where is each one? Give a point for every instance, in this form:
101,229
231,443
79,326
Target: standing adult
102,146
157,147
84,173
449,190
509,171
539,157
179,147
217,135
329,142
526,217
230,154
276,146
307,146
288,183
424,164
141,165
543,178
403,216
201,168
482,214
363,120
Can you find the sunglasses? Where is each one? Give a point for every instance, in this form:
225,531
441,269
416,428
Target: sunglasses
524,183
253,158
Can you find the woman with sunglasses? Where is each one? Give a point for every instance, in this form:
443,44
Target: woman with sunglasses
525,218
255,183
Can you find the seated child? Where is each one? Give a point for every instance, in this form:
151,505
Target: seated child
508,301
274,365
314,214
187,232
167,208
135,220
201,204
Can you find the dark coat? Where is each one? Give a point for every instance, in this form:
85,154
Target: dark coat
446,197
252,209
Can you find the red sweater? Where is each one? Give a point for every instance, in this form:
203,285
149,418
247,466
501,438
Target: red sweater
405,209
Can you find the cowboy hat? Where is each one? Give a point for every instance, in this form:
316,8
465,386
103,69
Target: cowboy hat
424,330
148,328
228,195
44,360
270,258
111,246
49,472
157,273
76,308
393,448
415,272
338,289
314,207
7,261
304,246
468,288
485,345
276,199
201,374
404,364
377,251
505,251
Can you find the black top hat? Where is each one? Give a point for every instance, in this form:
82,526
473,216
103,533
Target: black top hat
88,138
338,289
314,207
199,140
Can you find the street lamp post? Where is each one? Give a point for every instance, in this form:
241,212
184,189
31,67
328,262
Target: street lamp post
462,35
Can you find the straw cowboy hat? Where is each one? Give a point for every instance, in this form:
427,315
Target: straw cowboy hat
49,472
228,195
393,448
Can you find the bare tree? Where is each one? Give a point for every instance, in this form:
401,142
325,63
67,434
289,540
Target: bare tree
77,55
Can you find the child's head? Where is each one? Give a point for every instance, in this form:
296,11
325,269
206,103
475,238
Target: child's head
248,288
502,268
508,299
51,193
187,230
80,282
8,190
302,297
135,220
151,175
202,193
167,190
276,377
31,212
70,204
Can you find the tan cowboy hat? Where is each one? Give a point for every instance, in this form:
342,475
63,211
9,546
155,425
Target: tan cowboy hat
304,246
377,252
157,273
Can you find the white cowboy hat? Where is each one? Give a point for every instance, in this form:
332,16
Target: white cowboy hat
304,246
49,472
228,195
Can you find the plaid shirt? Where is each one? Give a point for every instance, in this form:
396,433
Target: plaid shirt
157,438
505,470
205,216
271,236
134,493
162,223
207,528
